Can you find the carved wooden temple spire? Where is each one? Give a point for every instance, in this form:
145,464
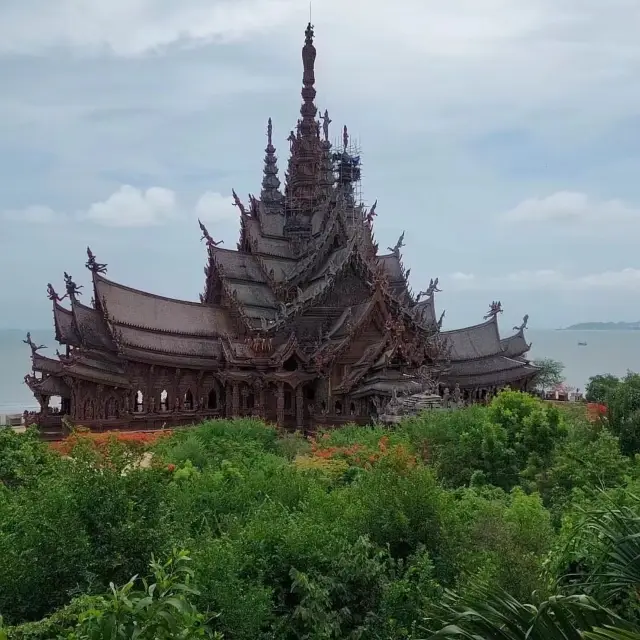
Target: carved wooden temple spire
304,171
270,194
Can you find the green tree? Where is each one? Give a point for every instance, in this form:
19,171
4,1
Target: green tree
550,374
600,387
624,413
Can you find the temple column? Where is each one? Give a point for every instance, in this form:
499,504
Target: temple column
280,404
299,407
260,398
235,400
228,401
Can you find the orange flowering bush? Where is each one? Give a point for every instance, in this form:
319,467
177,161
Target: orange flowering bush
396,456
135,441
596,411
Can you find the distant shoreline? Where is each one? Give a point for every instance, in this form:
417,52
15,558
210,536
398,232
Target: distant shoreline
603,326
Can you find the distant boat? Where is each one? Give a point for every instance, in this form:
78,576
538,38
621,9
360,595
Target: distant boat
582,344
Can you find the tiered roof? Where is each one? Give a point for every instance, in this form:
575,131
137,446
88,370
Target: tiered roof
479,357
306,280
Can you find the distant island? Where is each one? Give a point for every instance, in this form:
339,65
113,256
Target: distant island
604,326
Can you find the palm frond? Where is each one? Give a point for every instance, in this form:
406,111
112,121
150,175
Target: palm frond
484,613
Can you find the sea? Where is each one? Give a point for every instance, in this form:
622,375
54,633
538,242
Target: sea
614,352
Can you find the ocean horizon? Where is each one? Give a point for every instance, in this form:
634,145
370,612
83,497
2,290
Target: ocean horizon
614,352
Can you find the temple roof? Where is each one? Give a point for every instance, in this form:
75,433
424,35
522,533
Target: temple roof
277,246
425,312
478,341
202,347
64,326
515,345
494,377
135,308
479,366
91,327
46,365
237,265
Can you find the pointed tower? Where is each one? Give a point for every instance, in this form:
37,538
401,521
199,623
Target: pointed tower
305,165
270,194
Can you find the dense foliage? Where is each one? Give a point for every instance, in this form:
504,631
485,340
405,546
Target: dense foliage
359,533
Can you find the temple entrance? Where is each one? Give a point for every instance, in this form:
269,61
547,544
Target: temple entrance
54,404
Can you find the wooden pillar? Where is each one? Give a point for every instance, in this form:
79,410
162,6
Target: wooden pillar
228,401
280,404
299,407
236,400
260,398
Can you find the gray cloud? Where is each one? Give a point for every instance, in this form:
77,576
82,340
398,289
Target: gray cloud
464,110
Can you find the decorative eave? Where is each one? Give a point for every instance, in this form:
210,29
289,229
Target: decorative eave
329,351
46,365
49,385
63,323
288,349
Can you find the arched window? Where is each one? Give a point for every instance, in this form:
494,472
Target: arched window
139,401
187,404
212,400
338,408
164,400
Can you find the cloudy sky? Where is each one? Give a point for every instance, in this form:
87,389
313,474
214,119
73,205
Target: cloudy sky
503,136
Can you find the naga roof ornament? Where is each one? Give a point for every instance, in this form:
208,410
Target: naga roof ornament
93,265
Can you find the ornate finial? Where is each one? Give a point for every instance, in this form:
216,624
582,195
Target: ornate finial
93,265
52,295
441,319
494,310
308,34
205,236
270,133
73,289
34,348
395,250
523,326
237,202
431,289
372,214
345,137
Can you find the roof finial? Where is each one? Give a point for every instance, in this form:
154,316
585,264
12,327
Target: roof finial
345,137
270,133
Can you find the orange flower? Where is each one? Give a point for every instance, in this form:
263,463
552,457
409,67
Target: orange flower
171,467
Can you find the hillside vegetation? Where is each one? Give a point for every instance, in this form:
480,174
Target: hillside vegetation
506,521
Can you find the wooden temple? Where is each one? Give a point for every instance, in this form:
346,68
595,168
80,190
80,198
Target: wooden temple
304,324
